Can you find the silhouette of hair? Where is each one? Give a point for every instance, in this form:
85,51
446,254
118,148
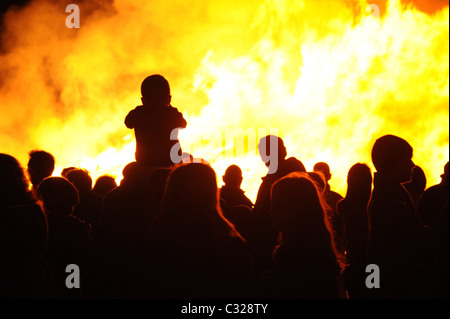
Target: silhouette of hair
67,170
191,198
233,176
81,179
13,182
104,184
387,150
324,168
58,195
298,209
192,186
293,164
359,182
319,180
40,165
305,262
155,86
298,192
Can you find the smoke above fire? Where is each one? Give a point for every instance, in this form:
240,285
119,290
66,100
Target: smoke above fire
329,76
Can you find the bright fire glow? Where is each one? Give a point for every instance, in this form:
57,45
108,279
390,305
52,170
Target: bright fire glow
329,76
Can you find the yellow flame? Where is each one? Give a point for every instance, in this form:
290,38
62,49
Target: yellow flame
329,76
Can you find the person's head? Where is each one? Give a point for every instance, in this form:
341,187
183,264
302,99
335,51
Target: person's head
191,187
293,164
132,174
324,168
40,165
67,170
155,88
58,195
272,151
13,182
81,179
392,155
359,182
104,184
233,176
296,206
191,205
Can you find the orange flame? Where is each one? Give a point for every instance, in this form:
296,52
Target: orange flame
329,76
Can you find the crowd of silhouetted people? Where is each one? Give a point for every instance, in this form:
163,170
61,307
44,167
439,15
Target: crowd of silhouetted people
167,231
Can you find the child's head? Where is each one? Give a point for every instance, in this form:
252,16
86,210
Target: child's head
155,87
392,155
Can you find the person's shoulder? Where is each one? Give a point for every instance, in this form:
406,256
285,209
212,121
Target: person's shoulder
335,195
133,115
438,188
172,110
137,109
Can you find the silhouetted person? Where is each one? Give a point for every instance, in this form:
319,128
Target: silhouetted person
305,261
434,211
198,252
125,207
23,236
273,153
353,211
331,196
40,165
121,242
156,124
433,199
416,186
336,227
236,207
69,238
104,184
398,241
90,204
231,191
